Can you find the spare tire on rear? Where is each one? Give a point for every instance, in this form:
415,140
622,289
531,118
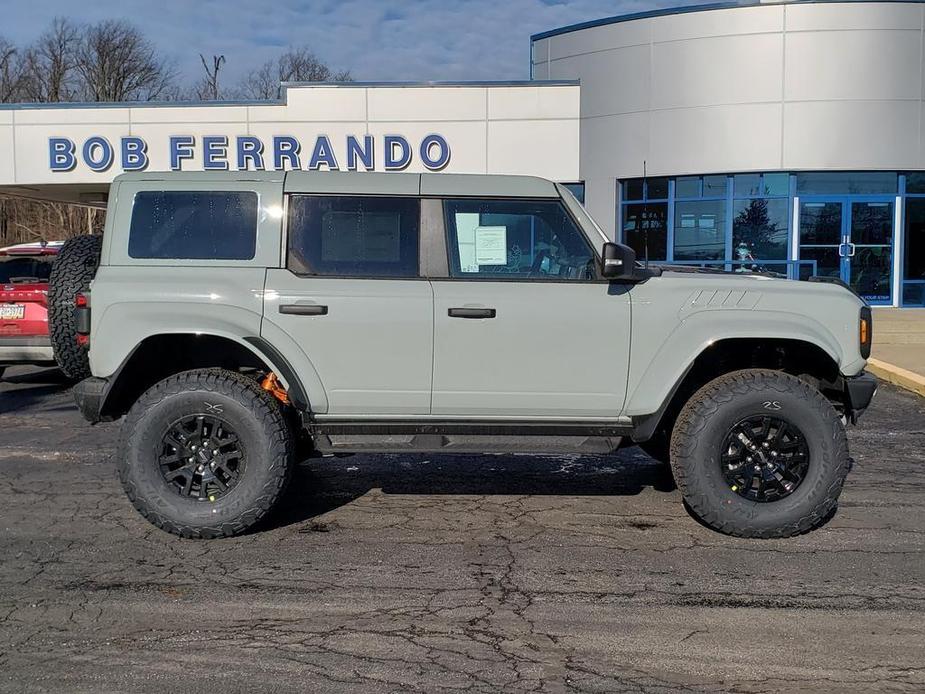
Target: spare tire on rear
73,269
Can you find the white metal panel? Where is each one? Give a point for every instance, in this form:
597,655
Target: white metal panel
600,38
616,81
851,15
427,103
853,65
728,22
188,114
315,104
543,148
531,103
720,70
743,137
66,115
860,135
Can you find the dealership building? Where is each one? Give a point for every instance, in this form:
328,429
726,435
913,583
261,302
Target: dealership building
786,136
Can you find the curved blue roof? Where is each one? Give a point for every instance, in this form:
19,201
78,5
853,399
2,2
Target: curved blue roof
728,5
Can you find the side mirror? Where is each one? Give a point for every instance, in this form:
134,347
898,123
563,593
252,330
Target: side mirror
619,262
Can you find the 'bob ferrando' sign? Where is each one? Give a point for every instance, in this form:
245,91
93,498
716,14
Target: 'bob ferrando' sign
247,152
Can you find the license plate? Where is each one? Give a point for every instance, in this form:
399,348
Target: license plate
12,311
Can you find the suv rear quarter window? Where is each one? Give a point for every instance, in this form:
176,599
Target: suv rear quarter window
194,225
354,236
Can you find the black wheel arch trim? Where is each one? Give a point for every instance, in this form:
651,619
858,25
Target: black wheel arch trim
94,394
297,395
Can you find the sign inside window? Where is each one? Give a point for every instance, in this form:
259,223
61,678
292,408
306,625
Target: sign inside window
491,245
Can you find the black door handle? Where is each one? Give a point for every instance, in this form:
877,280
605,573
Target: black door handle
472,313
304,309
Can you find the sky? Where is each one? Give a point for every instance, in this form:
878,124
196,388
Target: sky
376,40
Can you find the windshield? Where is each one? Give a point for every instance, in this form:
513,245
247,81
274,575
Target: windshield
24,269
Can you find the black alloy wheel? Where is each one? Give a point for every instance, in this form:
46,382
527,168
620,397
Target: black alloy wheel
764,458
201,457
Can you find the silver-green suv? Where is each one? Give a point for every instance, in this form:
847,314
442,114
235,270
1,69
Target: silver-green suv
237,320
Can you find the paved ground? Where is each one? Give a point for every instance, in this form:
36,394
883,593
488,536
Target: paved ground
391,573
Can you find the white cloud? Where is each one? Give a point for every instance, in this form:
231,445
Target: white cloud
410,40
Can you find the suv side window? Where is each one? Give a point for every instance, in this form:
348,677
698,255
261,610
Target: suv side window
516,239
354,236
193,225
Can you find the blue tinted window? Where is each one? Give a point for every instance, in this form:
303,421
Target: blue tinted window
687,187
193,225
353,236
700,230
760,229
714,186
645,229
657,189
839,183
633,189
578,190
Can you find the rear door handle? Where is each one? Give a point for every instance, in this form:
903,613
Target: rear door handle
303,309
472,313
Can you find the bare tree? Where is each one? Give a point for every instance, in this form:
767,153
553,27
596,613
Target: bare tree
49,64
295,65
12,72
117,63
208,87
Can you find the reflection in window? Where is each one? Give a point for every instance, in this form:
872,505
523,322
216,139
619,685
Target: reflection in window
687,187
699,230
516,239
576,189
759,229
353,236
714,186
915,239
838,183
645,230
915,183
193,225
657,189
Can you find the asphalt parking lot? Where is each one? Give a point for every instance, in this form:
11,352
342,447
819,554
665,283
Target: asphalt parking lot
439,573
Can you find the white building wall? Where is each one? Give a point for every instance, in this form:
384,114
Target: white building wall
518,128
803,86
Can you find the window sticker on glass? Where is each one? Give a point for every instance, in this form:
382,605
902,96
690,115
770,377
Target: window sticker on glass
491,245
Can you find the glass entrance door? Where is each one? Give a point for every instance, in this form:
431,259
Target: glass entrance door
870,251
851,240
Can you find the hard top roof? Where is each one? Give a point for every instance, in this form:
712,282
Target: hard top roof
370,183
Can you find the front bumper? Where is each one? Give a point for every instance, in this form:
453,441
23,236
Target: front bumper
859,391
90,394
25,350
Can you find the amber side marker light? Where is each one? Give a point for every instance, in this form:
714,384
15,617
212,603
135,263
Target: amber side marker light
865,332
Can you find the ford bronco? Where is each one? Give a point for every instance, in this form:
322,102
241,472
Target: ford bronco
238,319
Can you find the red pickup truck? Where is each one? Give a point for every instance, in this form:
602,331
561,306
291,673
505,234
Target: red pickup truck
24,273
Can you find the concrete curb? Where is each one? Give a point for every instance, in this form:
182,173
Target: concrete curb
897,376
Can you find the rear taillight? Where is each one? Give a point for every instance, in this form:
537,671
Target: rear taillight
865,332
82,318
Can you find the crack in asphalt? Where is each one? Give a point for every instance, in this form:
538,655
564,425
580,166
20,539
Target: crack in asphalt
455,573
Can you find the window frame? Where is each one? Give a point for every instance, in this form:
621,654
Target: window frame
502,277
423,261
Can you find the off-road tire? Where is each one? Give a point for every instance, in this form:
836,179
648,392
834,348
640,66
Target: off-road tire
260,424
697,440
74,267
